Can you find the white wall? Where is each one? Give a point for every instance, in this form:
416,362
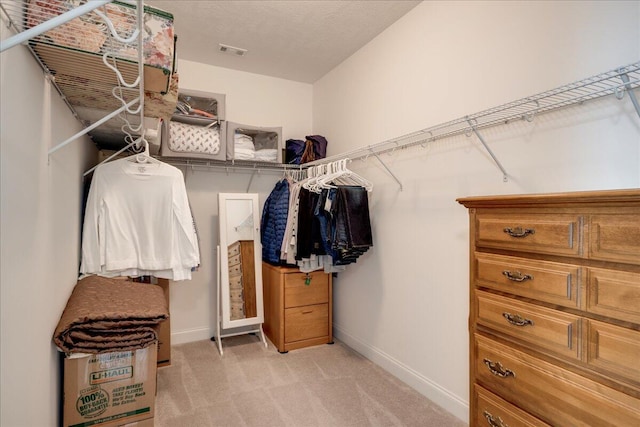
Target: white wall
40,207
405,303
251,99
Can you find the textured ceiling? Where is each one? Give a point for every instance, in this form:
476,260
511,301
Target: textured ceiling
296,40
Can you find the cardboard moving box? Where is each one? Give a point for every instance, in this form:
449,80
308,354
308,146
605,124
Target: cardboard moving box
109,389
164,331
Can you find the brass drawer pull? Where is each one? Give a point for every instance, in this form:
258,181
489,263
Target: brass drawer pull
498,370
494,421
519,232
517,320
517,276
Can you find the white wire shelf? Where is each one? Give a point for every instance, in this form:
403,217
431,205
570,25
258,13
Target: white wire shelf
615,82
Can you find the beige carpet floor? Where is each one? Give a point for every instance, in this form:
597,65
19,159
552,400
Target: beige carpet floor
250,385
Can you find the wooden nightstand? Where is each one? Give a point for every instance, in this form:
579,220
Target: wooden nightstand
297,307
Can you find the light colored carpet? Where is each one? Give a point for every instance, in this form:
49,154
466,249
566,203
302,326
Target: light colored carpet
250,385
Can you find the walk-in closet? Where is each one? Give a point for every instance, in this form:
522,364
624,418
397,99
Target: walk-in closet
319,213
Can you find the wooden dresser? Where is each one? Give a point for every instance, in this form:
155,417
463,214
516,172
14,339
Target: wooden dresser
242,280
297,307
554,319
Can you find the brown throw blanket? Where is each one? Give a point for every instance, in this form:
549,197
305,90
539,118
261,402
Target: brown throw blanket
104,315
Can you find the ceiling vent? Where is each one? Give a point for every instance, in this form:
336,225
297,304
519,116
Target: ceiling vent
232,50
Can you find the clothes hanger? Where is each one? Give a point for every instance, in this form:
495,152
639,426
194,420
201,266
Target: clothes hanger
143,156
348,177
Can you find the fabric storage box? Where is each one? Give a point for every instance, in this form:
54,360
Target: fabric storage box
197,128
194,104
254,143
194,141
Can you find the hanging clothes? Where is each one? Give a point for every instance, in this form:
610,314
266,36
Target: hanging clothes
274,222
289,246
138,222
328,224
309,238
352,235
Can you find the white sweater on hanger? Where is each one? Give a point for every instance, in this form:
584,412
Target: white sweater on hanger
138,222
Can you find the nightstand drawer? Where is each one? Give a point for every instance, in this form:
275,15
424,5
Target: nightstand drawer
614,294
495,412
305,289
550,329
615,238
548,234
546,281
614,349
306,322
550,392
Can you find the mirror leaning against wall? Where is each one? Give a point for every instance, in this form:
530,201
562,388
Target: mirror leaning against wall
239,279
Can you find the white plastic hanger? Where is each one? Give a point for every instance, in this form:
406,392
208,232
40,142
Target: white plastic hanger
144,156
340,174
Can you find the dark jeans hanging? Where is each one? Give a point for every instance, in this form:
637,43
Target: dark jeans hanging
353,225
309,240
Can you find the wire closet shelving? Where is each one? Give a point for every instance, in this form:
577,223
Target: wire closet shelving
618,82
625,79
93,54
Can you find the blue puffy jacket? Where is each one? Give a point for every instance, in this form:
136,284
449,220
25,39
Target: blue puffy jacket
274,222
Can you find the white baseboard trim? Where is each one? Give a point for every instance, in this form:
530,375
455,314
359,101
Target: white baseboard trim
431,390
190,335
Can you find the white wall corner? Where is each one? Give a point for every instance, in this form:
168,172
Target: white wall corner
190,335
431,390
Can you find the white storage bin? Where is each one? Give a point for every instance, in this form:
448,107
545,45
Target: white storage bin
254,143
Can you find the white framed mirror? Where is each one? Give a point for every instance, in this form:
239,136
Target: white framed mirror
240,256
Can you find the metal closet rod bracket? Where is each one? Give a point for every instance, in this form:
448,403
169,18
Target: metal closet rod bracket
474,128
386,167
627,84
253,174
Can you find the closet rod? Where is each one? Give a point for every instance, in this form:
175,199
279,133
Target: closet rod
221,165
617,81
50,24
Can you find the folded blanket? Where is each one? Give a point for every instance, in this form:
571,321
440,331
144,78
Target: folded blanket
243,142
242,154
266,155
105,315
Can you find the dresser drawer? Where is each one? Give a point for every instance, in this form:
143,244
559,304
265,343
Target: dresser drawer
550,392
546,281
615,238
492,411
233,250
550,329
236,295
557,234
235,270
614,294
307,322
234,260
614,349
235,282
305,289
